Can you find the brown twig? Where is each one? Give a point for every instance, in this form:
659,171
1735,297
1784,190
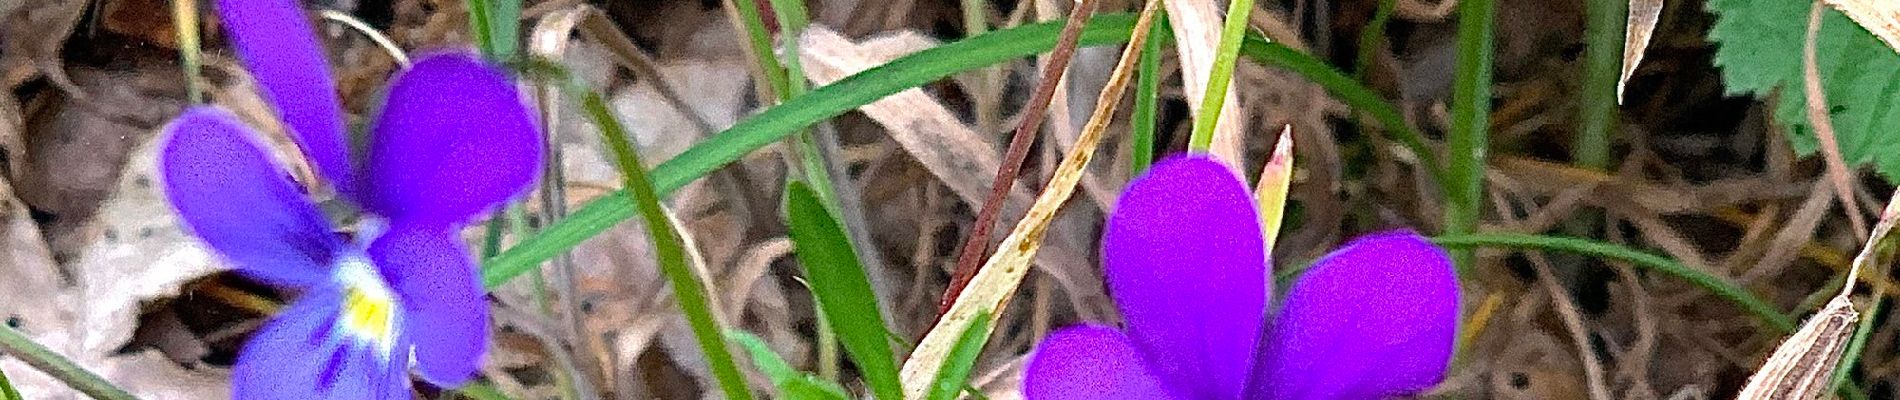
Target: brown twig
977,244
1837,170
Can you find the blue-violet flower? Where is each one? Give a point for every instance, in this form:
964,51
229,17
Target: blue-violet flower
1184,259
451,141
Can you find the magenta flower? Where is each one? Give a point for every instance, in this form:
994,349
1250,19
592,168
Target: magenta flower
452,140
1184,259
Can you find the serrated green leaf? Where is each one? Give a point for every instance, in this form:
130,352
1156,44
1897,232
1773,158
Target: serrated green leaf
843,292
1759,52
955,374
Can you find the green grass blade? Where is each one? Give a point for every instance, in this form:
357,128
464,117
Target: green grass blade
496,25
1850,358
1727,291
760,42
955,374
1147,94
904,73
1234,28
16,344
1470,123
790,381
481,391
6,388
837,279
668,246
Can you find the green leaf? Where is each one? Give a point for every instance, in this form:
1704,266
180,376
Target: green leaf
6,388
791,382
496,25
1760,54
898,75
844,293
955,374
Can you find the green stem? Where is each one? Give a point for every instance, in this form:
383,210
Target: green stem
760,41
6,388
1603,62
1147,94
1220,75
496,25
17,344
1470,122
903,73
1753,305
688,289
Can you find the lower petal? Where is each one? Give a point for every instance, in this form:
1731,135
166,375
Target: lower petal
444,313
1090,362
301,354
1374,319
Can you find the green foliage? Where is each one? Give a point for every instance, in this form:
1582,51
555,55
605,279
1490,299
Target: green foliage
791,383
954,376
6,388
844,293
1760,54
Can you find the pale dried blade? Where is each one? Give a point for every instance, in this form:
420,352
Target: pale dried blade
1196,26
1636,34
1882,17
990,290
1801,367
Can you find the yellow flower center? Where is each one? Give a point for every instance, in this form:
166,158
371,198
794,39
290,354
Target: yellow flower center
369,313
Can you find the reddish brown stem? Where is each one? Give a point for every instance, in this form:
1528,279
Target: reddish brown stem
977,245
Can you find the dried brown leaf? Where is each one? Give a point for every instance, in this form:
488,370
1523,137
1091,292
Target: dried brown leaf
1636,35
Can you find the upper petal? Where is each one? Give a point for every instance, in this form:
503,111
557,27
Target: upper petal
230,193
301,354
1090,362
444,314
274,40
1374,319
1183,257
454,140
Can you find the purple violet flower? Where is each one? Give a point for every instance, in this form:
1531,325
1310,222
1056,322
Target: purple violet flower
451,141
1184,259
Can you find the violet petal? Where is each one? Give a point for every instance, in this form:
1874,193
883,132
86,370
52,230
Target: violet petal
443,306
275,41
454,140
1183,257
232,195
1376,318
302,354
1090,362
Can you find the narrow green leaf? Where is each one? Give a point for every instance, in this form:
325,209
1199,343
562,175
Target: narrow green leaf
791,382
670,249
1147,94
6,388
1234,28
844,293
760,42
481,391
1721,288
955,374
496,25
16,344
904,73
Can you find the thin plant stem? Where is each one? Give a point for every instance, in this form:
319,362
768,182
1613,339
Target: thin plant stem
760,41
688,289
1603,65
1470,123
15,343
185,15
1147,95
1221,75
970,257
363,28
6,388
